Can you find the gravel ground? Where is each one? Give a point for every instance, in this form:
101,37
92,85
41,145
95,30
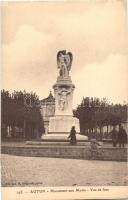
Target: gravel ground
38,171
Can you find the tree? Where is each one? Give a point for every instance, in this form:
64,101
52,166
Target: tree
21,109
93,113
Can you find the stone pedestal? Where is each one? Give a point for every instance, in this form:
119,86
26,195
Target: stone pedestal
63,124
63,91
63,120
62,137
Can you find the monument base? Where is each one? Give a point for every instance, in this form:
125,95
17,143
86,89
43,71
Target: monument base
63,124
59,137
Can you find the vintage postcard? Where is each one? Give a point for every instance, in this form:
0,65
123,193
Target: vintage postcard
64,99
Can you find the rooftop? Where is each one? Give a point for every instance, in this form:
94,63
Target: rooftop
50,98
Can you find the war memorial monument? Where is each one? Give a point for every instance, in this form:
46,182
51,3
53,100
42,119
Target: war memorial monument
61,123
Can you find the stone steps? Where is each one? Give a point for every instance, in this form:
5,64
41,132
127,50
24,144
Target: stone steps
61,137
60,151
56,143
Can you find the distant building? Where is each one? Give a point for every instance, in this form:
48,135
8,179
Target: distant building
47,110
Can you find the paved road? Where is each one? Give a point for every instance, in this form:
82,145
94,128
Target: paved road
37,171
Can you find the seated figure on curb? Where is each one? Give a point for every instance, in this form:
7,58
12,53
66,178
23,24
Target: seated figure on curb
95,149
72,136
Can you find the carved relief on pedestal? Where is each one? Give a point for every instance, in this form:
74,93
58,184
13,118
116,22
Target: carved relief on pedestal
63,99
63,96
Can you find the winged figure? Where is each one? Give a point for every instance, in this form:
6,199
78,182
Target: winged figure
64,62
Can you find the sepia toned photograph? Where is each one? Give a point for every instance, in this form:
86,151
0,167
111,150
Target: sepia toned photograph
64,94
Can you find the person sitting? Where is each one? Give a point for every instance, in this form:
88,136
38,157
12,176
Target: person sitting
72,136
95,148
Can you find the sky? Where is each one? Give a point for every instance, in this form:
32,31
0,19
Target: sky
94,31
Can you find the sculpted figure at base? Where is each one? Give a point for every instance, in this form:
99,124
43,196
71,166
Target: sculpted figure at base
63,99
64,62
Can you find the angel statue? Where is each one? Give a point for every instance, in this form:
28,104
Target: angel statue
64,61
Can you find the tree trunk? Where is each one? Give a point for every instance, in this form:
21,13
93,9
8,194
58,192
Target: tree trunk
24,129
101,132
